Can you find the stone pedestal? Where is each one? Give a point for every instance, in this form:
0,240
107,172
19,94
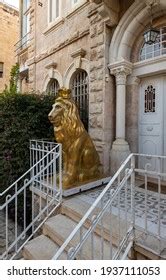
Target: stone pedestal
119,152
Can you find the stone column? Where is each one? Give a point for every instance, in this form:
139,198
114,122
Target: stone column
120,148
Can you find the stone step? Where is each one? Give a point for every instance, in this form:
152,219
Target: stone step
59,227
75,208
148,246
41,248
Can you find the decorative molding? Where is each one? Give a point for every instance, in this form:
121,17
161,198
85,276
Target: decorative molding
120,75
107,9
127,25
83,64
53,26
80,52
149,67
77,8
52,74
77,56
121,70
52,65
152,2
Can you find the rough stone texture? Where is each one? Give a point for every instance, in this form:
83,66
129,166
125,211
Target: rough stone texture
101,90
90,28
62,39
41,248
9,29
132,109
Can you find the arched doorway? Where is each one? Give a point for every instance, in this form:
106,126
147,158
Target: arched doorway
152,100
142,77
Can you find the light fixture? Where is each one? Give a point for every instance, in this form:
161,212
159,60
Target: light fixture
150,35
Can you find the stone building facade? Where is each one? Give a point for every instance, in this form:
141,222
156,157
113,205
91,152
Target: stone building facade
9,35
103,40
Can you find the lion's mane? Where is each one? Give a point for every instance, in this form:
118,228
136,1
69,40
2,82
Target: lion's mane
71,122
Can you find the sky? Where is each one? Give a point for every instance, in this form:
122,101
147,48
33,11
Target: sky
12,2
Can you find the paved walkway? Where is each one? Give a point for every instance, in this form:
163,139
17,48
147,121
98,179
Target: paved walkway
140,209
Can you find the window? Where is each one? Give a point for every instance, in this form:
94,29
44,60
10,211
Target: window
156,49
80,93
26,4
53,87
1,69
75,2
149,100
25,23
54,10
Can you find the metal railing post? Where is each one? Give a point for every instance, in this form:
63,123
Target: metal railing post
60,171
133,196
44,157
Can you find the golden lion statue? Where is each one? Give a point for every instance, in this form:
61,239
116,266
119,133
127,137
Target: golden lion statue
80,159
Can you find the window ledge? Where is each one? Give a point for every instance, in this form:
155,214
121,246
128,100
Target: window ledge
53,25
76,8
151,60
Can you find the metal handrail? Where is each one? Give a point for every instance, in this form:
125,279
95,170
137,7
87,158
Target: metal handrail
37,179
28,171
93,207
134,231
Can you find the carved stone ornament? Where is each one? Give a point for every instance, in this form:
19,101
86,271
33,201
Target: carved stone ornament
51,65
108,10
121,74
121,70
77,56
81,162
152,2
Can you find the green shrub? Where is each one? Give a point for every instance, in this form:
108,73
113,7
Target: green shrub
22,117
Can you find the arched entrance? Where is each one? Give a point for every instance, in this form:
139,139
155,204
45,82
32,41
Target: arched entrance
152,100
132,75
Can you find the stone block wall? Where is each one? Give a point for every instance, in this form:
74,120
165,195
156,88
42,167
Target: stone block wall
9,30
101,87
83,29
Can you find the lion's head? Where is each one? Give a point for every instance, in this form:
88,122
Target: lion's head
65,117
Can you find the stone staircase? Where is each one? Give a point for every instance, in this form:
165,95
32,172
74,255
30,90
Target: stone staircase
57,228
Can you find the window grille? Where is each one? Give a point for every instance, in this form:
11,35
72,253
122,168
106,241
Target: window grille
149,99
80,93
53,87
1,69
156,49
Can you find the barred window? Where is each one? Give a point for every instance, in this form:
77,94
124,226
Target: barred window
80,93
150,99
1,69
53,87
